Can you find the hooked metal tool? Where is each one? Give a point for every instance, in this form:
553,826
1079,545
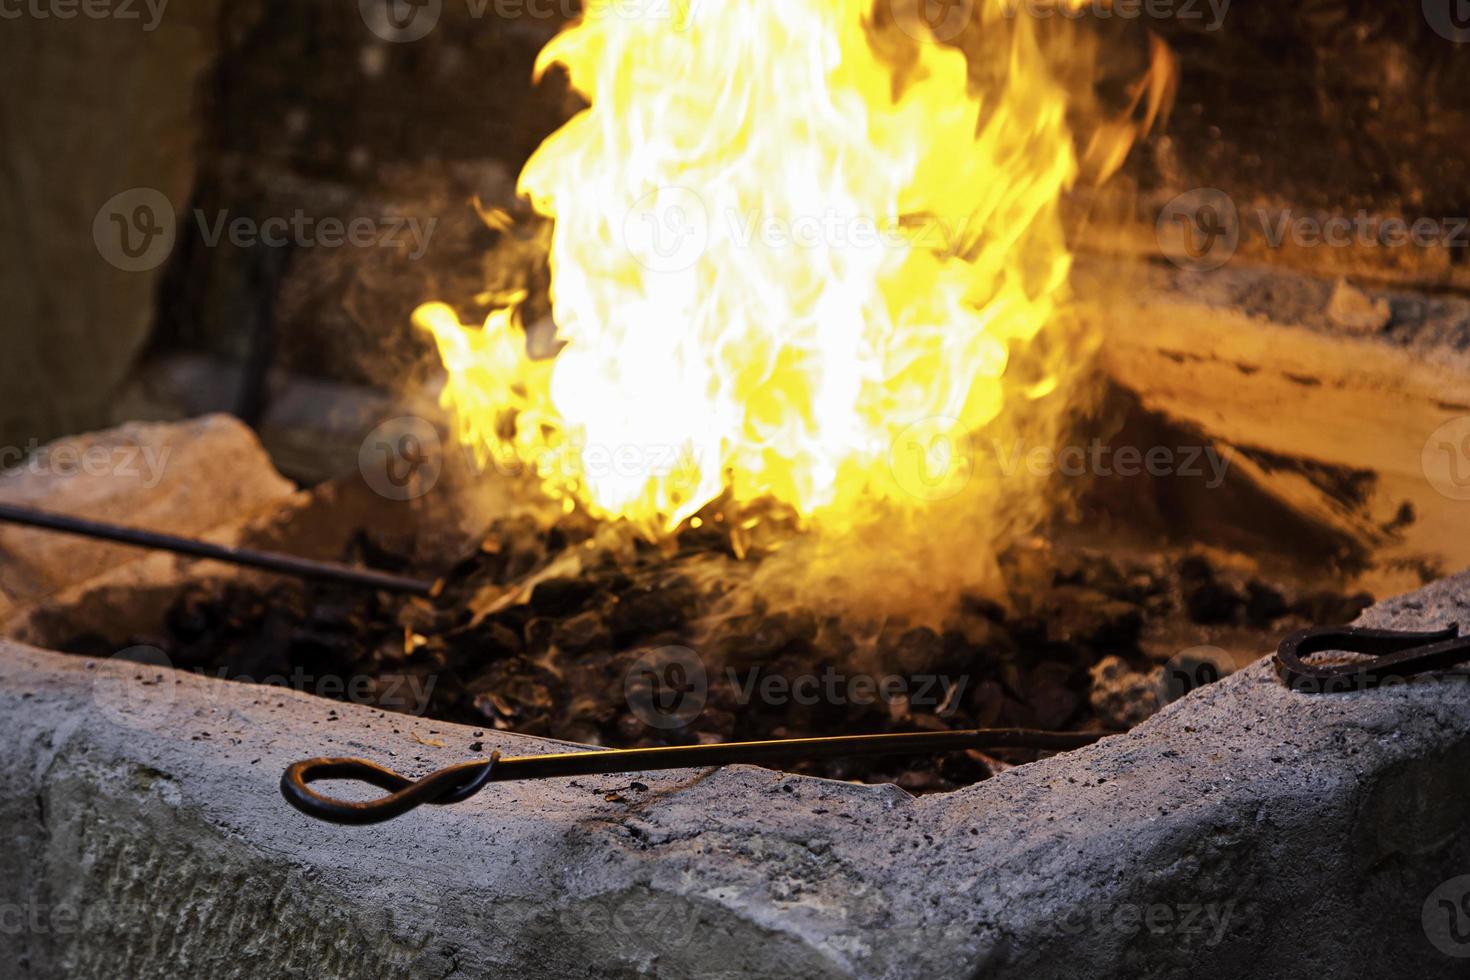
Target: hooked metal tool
1395,654
457,783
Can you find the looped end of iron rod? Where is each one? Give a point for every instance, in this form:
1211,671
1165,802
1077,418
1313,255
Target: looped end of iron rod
453,784
1395,653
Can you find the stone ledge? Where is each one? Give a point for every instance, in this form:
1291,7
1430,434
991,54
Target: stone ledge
1244,830
185,478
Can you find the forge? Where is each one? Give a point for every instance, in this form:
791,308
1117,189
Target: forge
1007,384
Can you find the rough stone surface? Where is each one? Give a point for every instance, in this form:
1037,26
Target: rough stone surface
183,478
1245,830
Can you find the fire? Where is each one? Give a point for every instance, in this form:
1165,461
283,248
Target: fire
797,255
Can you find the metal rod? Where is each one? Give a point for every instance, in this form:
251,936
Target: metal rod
782,750
457,783
269,561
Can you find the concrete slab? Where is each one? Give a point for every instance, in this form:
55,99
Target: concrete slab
1245,830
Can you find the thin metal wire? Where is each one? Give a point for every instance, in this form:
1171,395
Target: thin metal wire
268,560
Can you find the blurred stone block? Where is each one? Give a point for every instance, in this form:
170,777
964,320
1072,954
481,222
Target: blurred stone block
101,128
182,478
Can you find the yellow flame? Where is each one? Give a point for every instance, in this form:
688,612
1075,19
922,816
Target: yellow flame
786,240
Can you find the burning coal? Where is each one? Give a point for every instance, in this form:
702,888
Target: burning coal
802,254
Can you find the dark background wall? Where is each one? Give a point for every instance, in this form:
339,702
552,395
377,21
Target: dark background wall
272,107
